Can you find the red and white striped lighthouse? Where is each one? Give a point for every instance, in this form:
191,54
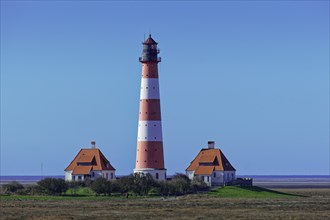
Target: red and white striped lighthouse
149,150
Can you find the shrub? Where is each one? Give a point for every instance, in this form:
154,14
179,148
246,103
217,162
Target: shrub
197,184
101,186
142,183
125,183
155,191
115,186
33,190
180,184
53,186
12,187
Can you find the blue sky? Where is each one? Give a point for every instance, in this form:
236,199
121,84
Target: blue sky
253,76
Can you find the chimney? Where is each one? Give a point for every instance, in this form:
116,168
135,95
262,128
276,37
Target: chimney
93,144
210,144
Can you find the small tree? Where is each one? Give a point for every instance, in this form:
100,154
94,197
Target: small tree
142,183
164,188
125,183
53,186
101,186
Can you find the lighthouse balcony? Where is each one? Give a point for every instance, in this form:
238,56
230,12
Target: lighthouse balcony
150,59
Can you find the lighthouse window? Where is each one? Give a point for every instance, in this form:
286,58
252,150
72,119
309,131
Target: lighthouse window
145,137
157,175
155,161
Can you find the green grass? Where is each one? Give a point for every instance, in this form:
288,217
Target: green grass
81,191
248,192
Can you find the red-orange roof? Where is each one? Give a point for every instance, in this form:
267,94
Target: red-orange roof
100,162
82,170
207,158
86,158
214,156
204,170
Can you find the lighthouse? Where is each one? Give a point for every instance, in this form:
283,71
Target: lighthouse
149,150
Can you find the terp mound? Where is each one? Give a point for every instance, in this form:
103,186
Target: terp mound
248,192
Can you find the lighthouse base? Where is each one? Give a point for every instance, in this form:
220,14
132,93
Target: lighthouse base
157,174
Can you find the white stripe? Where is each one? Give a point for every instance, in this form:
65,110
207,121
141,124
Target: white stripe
150,131
149,88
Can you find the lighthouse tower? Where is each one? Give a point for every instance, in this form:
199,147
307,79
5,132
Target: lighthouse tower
149,150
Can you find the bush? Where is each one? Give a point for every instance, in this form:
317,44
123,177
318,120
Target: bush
12,187
115,186
102,186
180,184
155,191
33,190
53,186
125,184
197,184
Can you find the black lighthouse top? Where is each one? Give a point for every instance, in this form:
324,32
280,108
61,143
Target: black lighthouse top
150,51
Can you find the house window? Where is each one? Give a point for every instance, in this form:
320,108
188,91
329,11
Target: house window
79,177
157,176
107,175
214,174
92,173
111,175
232,176
208,178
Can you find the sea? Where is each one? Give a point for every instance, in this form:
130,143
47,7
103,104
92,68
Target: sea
267,181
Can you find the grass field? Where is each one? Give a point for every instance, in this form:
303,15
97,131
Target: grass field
228,203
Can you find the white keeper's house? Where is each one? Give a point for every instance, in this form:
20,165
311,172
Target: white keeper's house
212,167
89,163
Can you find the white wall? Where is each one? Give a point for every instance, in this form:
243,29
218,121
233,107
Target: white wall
97,174
220,178
229,176
150,131
149,88
107,174
68,176
153,172
190,174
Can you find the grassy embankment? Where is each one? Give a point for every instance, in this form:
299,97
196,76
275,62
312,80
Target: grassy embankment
248,192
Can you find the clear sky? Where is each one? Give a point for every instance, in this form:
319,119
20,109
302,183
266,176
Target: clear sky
253,76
